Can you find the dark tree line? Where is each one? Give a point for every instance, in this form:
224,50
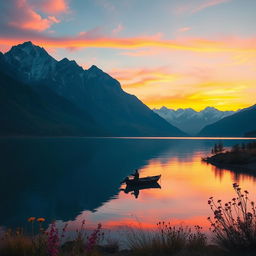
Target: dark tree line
243,147
218,148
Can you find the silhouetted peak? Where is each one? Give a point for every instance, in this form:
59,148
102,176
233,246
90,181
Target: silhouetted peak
27,44
210,109
65,62
29,49
94,68
164,108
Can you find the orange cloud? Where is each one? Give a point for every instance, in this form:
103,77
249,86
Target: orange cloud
229,45
132,78
29,19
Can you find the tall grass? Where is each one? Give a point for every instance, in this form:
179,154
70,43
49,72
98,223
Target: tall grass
166,240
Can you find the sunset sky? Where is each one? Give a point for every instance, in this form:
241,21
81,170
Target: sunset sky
173,53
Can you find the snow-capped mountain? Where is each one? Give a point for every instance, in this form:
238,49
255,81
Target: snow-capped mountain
92,91
191,121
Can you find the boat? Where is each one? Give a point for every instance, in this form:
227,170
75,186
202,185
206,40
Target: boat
142,181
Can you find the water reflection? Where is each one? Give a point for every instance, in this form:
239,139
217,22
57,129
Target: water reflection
59,178
135,190
76,179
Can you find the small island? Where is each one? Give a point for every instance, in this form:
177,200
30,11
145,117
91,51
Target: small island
240,158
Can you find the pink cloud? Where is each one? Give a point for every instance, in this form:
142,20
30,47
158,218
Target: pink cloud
191,8
27,18
209,4
118,29
184,29
94,33
53,6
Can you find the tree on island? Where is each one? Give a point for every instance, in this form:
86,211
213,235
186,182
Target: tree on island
218,148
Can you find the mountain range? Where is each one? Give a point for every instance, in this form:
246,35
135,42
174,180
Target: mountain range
43,96
191,121
242,123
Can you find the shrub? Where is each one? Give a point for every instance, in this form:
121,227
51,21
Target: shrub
234,223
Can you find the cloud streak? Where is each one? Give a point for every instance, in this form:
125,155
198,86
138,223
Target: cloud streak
200,45
208,4
191,8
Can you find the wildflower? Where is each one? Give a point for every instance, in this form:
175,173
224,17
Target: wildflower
53,241
92,239
41,219
31,219
235,185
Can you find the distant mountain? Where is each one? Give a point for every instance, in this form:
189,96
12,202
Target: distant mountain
98,97
250,134
191,121
236,125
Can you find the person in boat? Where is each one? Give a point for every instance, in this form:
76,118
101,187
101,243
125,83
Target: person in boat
136,175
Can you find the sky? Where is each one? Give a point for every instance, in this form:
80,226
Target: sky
173,53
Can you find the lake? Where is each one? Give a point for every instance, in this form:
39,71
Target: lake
71,179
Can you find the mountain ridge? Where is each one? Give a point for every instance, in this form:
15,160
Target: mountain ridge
236,125
93,91
190,120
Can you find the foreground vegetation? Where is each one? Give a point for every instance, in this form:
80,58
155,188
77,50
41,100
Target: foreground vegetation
233,227
241,157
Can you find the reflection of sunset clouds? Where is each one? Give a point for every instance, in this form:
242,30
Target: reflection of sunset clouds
186,187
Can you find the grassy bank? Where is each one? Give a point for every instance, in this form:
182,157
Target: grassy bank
233,227
241,157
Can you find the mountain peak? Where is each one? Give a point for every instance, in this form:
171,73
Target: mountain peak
28,43
32,62
94,69
192,121
28,48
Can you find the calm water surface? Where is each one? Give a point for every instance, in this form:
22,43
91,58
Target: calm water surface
71,179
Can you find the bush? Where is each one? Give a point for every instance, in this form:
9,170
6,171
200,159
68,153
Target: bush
234,223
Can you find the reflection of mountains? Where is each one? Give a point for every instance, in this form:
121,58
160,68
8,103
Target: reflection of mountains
59,178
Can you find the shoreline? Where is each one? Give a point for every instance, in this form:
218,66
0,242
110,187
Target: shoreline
124,137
